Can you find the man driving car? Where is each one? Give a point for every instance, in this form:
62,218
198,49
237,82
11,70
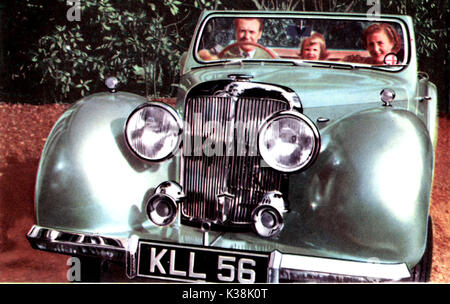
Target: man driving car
247,33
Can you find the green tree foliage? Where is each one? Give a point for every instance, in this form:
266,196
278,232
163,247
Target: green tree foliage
140,43
21,25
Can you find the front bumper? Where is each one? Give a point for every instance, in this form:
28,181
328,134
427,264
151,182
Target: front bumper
282,267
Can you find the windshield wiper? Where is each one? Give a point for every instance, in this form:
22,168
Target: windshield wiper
347,65
240,61
388,65
219,63
331,64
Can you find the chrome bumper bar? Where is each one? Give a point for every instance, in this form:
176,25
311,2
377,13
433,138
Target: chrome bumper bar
282,267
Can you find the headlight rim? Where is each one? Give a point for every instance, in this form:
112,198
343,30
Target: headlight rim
176,117
297,115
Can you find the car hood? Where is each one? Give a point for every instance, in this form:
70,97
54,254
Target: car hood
316,86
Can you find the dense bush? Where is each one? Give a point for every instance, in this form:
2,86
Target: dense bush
141,41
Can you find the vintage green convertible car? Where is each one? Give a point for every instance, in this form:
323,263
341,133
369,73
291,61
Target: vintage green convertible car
300,148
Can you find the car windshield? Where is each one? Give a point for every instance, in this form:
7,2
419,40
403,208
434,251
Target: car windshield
356,41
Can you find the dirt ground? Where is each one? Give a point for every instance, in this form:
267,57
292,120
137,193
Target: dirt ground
23,131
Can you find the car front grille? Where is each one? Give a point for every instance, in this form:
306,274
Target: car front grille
220,155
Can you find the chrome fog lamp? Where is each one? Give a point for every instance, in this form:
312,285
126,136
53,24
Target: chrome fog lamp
268,215
387,96
153,131
288,141
161,210
162,207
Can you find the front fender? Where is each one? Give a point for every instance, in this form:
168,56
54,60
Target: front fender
367,195
88,179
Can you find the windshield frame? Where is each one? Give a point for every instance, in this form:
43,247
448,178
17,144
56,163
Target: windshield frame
300,15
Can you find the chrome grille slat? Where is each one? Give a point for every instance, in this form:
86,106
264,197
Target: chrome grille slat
206,176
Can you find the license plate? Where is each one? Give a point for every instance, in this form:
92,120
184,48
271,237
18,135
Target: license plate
189,263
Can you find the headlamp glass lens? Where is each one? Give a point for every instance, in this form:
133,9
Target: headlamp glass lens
153,132
287,143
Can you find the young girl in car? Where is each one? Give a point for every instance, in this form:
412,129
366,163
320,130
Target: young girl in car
313,48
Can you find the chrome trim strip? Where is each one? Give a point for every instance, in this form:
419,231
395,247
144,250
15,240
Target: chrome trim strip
342,267
273,273
131,256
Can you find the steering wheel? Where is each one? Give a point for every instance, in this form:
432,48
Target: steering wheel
239,43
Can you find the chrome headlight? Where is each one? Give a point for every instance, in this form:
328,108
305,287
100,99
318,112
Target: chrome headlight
153,131
288,141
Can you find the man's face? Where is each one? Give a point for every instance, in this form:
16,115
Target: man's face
248,30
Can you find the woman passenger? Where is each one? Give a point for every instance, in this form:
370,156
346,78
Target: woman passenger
378,39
